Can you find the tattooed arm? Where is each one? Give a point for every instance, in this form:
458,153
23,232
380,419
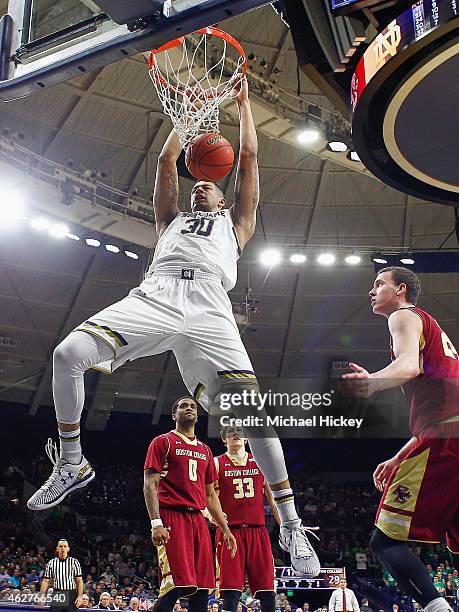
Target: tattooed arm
247,192
165,195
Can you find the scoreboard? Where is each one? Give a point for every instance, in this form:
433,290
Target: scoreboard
287,578
347,6
421,18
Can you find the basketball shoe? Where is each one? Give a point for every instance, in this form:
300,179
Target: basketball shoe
294,540
65,478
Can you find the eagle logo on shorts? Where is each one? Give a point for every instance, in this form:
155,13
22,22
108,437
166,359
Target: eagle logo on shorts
402,494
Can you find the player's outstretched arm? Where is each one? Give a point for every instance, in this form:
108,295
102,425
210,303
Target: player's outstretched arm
405,327
159,534
165,195
247,190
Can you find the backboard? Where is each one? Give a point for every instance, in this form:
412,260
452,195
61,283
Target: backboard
44,42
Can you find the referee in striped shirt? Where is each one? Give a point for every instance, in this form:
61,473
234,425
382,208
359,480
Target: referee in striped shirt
67,580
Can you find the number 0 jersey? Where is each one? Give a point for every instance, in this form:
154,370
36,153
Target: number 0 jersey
433,396
186,466
241,491
205,240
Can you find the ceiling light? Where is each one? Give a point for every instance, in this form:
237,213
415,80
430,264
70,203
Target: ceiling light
326,259
297,258
270,257
40,223
13,209
58,230
353,156
308,136
379,260
112,248
92,242
337,146
131,254
73,236
407,261
353,260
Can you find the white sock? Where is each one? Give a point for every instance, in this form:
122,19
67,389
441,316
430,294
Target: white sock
70,445
437,605
285,503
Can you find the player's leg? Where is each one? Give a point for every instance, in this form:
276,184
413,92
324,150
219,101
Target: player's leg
198,601
230,572
71,359
411,509
230,600
213,361
260,567
201,558
166,602
267,600
176,559
131,328
410,573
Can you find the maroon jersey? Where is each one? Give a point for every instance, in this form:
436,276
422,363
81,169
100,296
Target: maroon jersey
186,466
241,491
433,396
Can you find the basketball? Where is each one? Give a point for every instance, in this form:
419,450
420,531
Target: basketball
209,157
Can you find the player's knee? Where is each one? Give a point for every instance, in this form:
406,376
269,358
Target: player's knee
376,543
230,600
71,354
65,354
380,543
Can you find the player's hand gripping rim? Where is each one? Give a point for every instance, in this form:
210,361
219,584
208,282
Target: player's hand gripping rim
230,542
160,535
239,88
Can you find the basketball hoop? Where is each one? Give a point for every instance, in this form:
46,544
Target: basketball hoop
193,75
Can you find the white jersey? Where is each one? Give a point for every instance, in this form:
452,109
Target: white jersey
203,240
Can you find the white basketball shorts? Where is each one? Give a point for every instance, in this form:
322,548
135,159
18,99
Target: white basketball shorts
190,316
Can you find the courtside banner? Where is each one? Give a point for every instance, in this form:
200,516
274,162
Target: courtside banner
420,19
287,578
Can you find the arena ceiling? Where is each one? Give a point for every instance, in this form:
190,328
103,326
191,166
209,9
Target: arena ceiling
303,318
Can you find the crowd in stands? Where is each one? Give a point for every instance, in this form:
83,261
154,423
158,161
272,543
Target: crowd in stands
108,531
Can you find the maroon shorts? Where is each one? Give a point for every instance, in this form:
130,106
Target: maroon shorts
187,560
421,499
253,557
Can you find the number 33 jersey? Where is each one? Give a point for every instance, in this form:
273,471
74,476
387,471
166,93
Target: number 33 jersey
186,465
206,240
241,490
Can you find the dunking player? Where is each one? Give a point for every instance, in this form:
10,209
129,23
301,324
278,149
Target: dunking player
179,482
182,306
241,486
420,501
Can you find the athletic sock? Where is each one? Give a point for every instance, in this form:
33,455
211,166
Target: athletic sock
285,503
437,605
70,445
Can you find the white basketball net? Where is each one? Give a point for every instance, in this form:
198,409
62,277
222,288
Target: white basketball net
192,79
